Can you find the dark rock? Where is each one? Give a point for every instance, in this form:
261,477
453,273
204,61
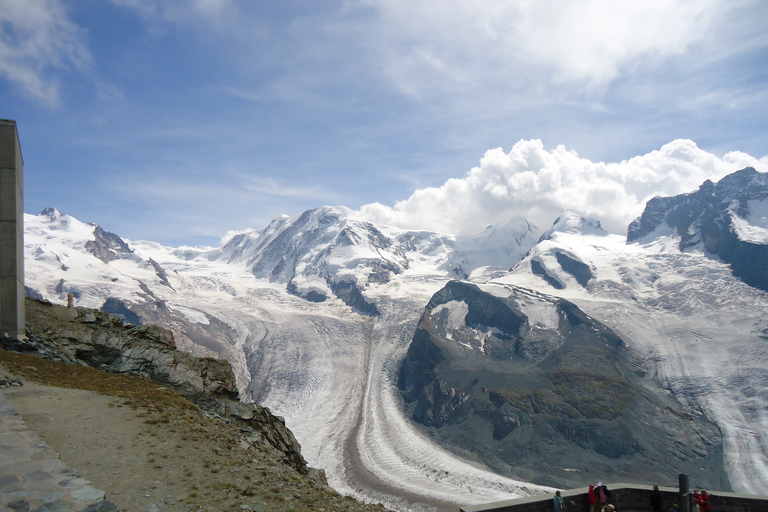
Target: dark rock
8,480
102,340
538,269
19,505
704,220
160,273
348,292
107,246
577,268
33,294
102,506
121,309
526,398
54,506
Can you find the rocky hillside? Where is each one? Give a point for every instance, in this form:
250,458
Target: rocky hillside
101,340
535,388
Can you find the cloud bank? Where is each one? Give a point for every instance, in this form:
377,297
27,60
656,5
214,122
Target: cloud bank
539,185
586,42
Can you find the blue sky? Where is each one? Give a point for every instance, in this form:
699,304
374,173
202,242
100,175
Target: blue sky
179,120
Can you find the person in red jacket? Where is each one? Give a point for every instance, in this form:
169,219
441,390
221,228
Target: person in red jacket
591,498
695,506
704,504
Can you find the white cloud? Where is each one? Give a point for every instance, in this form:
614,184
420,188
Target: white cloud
540,184
37,36
178,11
583,42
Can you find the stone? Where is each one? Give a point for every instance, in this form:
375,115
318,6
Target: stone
102,506
56,506
8,480
19,505
37,476
74,482
54,496
88,493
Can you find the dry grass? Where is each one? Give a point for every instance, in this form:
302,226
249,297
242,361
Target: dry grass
194,461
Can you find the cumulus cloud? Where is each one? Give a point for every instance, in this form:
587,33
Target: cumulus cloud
36,38
539,185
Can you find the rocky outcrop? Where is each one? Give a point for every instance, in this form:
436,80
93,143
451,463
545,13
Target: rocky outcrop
103,341
716,219
530,384
348,292
107,246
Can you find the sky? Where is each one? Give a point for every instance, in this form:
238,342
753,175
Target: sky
179,121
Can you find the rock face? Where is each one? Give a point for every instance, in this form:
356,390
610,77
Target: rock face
103,341
535,388
727,219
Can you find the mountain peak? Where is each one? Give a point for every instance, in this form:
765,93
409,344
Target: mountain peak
728,219
571,222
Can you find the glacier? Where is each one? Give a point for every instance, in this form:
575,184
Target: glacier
320,359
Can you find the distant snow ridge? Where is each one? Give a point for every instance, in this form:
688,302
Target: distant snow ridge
570,222
331,251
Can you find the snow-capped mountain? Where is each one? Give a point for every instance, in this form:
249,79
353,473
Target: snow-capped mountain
728,219
331,251
317,311
296,343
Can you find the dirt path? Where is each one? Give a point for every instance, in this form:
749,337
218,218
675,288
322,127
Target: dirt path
150,449
108,443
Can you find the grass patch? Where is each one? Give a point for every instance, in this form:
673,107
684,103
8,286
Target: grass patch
519,398
594,395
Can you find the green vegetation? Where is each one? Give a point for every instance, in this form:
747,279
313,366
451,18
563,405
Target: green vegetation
520,398
578,392
549,402
595,396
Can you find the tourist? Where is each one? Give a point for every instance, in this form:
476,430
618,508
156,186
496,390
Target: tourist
704,503
695,505
602,493
559,503
656,501
591,498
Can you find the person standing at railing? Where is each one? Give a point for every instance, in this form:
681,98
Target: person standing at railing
704,504
591,498
695,505
559,504
656,501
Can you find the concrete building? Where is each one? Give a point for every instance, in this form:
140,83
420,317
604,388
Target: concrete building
11,232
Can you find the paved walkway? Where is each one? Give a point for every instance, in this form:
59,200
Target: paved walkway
33,479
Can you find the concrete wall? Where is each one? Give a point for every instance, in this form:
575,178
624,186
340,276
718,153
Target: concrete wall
625,497
11,231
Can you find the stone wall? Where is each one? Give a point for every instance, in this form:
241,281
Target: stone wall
625,497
